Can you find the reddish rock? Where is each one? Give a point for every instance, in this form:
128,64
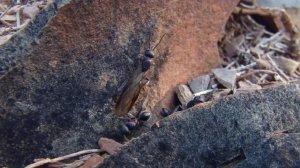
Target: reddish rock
92,162
86,51
108,145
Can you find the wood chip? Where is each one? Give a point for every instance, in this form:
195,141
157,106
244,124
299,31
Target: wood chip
286,64
184,94
248,86
9,18
226,77
110,146
262,64
93,161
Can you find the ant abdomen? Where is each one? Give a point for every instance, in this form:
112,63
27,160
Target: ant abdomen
146,64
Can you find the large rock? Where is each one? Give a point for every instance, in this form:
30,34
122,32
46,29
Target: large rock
57,96
258,129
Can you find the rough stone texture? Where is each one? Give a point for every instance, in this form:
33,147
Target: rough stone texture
59,98
261,127
20,45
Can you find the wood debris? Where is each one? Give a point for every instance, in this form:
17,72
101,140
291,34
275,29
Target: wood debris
260,49
184,94
82,159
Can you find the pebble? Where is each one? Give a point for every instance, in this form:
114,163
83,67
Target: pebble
226,77
184,94
199,84
110,146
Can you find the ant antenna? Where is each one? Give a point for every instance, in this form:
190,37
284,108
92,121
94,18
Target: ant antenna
159,41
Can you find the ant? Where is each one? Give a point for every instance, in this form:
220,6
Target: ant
131,89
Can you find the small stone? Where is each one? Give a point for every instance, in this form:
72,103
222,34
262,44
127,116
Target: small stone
226,77
184,94
286,64
93,161
199,84
110,146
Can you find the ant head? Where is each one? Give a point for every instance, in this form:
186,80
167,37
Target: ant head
149,53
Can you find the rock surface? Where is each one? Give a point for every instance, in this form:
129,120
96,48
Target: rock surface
66,73
258,129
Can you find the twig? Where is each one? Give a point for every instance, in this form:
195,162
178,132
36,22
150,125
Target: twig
280,72
244,67
252,72
203,92
48,160
159,41
144,105
262,78
18,14
230,65
5,12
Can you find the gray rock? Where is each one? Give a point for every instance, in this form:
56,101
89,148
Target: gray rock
199,84
226,77
258,129
279,3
